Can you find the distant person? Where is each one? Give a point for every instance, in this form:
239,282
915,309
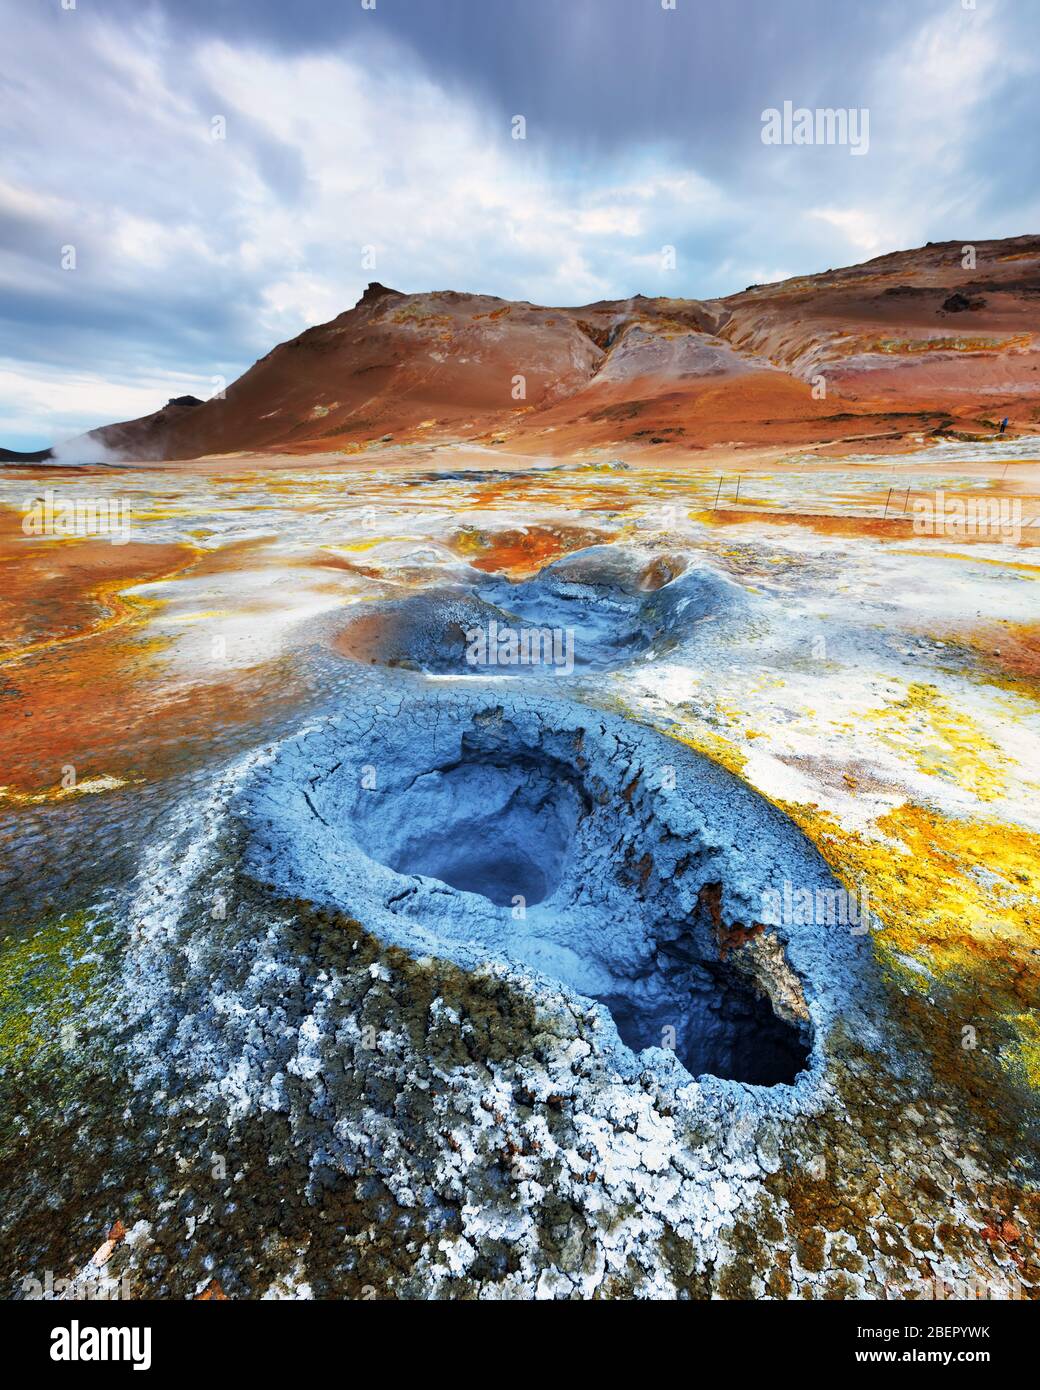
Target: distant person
1003,424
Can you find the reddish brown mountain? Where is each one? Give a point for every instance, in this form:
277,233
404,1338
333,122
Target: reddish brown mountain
909,343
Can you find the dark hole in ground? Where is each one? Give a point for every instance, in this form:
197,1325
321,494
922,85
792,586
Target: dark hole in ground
722,1028
507,827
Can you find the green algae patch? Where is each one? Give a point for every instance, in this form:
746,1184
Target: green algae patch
47,979
1021,1057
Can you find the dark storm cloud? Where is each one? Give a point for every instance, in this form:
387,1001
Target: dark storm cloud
601,74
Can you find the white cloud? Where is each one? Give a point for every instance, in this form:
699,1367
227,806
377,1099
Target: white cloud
73,401
861,228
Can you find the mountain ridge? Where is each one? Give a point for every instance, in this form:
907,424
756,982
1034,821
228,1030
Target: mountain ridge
920,340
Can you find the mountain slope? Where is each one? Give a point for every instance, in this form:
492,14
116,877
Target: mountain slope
912,341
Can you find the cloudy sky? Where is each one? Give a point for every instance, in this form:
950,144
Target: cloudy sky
387,133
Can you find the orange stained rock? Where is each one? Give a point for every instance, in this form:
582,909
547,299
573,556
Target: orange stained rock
895,527
520,490
1000,653
107,712
85,688
53,590
521,552
1013,647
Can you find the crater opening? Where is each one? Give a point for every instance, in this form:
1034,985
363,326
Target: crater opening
719,1026
499,828
506,828
535,832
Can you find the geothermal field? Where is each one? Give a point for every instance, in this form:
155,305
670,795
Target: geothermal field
509,802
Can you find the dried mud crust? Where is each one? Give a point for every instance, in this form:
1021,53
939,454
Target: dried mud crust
489,1153
486,1152
619,604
